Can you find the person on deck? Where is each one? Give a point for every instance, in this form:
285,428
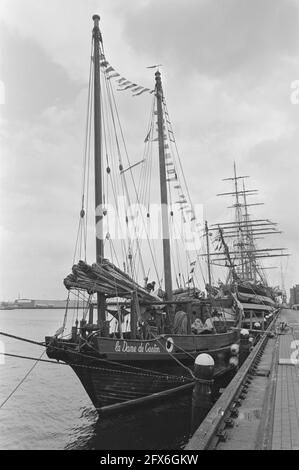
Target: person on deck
208,324
181,324
150,287
208,321
197,326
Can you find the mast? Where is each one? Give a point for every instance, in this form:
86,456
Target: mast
163,191
97,39
238,218
208,253
251,267
243,258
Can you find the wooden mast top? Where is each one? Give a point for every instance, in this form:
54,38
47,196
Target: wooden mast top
163,190
97,39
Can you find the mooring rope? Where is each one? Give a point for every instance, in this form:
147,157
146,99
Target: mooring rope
168,377
22,380
176,359
140,370
32,358
22,339
173,379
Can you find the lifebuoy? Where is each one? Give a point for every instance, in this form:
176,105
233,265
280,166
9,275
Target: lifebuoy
169,344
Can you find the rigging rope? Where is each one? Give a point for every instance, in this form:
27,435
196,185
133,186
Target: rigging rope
167,377
22,380
106,361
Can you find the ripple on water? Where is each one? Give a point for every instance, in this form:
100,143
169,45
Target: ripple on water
51,410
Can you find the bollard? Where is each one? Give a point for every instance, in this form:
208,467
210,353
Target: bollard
202,391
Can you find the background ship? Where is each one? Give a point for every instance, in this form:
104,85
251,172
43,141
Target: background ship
236,248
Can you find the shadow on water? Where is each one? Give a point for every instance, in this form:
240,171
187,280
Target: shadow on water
165,426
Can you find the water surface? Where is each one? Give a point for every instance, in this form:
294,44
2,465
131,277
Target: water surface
51,409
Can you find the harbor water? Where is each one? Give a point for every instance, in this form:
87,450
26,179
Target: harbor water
51,409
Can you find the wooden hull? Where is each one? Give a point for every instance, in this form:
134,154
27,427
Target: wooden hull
114,371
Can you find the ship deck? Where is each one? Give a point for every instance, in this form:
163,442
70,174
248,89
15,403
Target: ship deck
268,410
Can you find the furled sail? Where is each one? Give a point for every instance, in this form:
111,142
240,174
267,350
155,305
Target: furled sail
107,279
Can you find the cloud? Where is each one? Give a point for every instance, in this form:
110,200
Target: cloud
63,29
215,38
227,73
33,82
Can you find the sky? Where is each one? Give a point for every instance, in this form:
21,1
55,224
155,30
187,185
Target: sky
228,70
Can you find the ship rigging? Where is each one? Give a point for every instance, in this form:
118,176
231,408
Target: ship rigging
141,343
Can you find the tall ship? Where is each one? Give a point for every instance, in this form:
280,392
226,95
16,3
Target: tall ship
237,248
136,341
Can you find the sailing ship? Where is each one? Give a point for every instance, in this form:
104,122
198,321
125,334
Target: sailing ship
135,344
236,248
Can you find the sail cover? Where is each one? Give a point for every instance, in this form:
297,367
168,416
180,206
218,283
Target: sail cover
106,279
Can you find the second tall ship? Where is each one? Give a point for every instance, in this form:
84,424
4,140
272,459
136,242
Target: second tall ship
237,248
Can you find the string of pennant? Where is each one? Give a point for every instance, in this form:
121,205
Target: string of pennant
122,83
168,137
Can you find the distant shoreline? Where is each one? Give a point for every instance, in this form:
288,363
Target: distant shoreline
38,308
32,304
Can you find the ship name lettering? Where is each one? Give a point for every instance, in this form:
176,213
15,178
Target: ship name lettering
152,348
128,348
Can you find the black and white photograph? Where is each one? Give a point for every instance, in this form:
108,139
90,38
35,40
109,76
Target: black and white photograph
149,230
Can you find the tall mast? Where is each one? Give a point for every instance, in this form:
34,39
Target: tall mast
249,242
208,253
239,217
163,190
245,230
97,38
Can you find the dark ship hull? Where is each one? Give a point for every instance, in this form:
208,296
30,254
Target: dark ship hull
119,373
